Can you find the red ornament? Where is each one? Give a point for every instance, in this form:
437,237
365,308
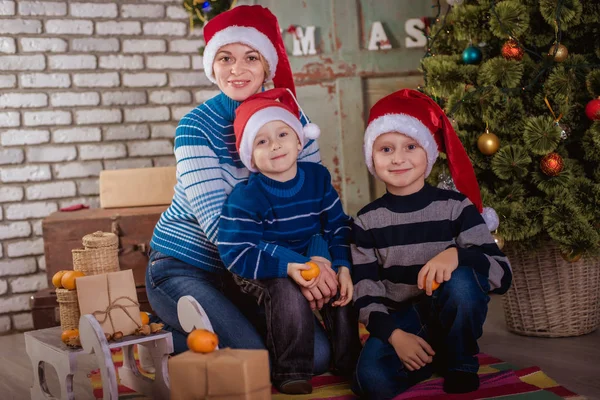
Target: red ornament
512,51
552,164
592,110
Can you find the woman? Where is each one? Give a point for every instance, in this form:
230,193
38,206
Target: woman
244,49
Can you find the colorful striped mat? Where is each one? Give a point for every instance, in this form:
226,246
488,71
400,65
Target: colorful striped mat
499,380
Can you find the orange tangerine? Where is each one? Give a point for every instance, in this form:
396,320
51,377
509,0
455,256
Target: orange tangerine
144,317
434,284
56,278
202,341
68,334
311,273
68,279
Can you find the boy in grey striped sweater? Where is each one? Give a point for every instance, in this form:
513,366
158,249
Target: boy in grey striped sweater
410,240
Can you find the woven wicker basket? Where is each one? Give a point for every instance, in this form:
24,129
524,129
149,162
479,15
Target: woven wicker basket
551,297
69,308
101,239
96,261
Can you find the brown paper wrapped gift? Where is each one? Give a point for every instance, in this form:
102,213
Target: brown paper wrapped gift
112,299
221,375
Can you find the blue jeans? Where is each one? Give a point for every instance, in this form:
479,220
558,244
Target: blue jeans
451,321
229,310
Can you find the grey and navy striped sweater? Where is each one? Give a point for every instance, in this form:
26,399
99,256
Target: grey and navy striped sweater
267,224
395,236
208,168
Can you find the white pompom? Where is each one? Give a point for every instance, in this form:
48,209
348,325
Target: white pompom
491,218
311,131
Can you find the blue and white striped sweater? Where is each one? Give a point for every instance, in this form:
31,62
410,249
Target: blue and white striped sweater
267,224
208,168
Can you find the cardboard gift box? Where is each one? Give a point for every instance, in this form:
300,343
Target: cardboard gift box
137,187
112,299
221,375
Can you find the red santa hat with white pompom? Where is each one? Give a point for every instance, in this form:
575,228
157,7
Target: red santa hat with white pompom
416,115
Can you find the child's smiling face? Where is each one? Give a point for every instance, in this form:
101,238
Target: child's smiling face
400,162
275,151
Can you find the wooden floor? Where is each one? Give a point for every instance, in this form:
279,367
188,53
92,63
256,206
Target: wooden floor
573,362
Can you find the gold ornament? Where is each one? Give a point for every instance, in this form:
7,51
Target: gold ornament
488,143
498,239
552,164
572,256
561,53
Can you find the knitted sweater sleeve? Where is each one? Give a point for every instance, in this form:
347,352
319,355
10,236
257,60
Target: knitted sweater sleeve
477,249
369,290
241,244
199,170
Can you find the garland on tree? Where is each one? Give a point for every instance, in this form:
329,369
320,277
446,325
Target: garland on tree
520,111
202,11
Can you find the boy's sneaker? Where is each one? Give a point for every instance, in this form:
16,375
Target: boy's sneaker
295,386
461,382
145,358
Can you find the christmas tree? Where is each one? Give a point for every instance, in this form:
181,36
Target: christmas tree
519,79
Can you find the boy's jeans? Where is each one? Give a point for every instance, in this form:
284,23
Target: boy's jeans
168,279
451,321
290,329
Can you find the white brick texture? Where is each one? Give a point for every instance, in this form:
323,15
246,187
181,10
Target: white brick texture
14,230
7,45
30,210
20,137
121,62
3,290
101,151
144,114
163,131
73,135
170,97
5,324
165,28
188,79
7,7
128,163
39,45
29,173
118,28
77,169
51,153
150,148
98,116
123,98
40,80
42,8
93,10
30,247
23,100
144,46
10,193
54,190
127,132
23,322
177,12
168,62
88,187
69,27
41,260
180,112
9,119
67,99
142,11
37,118
11,156
72,62
20,26
107,79
145,79
36,226
14,303
31,283
99,45
185,46
17,267
8,81
22,63
165,161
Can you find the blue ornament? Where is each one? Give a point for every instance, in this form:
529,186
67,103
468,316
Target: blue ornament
471,55
206,7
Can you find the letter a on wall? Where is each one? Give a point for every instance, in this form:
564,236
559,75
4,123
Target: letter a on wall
378,39
304,42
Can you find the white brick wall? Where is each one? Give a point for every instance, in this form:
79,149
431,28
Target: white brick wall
85,85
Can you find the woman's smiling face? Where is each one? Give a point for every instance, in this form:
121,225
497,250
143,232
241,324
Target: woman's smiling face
240,71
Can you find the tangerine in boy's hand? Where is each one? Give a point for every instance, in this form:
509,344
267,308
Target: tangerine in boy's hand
311,273
202,341
434,284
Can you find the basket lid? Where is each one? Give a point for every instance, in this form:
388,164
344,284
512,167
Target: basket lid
100,239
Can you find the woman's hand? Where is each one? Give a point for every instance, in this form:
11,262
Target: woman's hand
439,268
325,289
413,351
294,271
346,287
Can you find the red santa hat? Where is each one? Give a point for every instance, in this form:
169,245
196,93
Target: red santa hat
264,107
416,115
254,26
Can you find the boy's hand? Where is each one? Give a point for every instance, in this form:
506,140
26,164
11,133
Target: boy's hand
413,351
326,287
439,268
346,287
294,271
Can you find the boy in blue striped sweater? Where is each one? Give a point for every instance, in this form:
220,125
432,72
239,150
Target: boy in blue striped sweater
412,237
266,233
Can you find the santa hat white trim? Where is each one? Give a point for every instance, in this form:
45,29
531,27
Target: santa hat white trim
257,121
405,124
239,34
